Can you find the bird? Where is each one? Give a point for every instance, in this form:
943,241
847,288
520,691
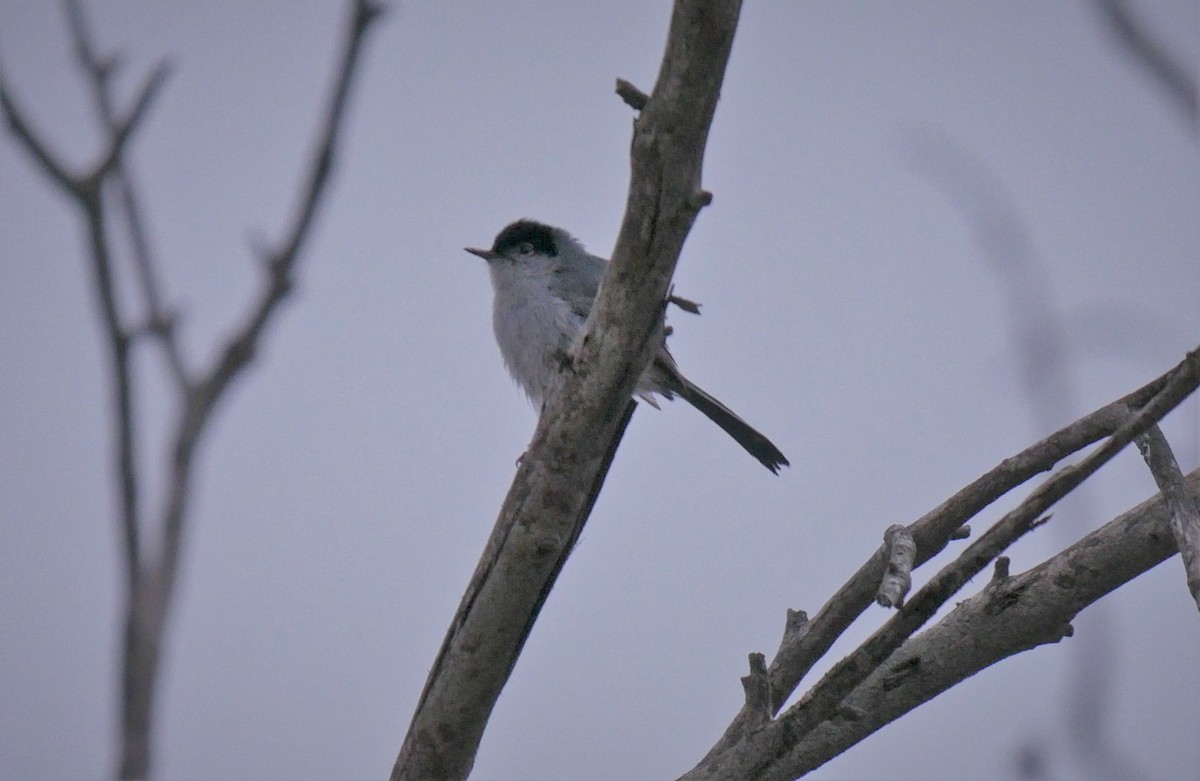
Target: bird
544,282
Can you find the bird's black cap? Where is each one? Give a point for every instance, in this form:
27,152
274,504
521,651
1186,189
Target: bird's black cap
540,236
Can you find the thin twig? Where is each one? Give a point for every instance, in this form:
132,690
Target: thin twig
633,97
22,130
279,265
241,346
160,323
118,337
122,128
85,186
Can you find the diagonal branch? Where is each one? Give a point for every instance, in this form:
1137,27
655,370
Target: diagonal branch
279,265
55,170
121,129
1169,71
582,421
241,346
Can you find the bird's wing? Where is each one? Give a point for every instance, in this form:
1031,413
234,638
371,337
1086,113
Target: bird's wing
579,289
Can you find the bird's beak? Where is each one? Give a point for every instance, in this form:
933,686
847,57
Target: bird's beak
483,253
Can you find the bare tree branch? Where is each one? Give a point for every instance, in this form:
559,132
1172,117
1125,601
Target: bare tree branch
85,191
55,170
242,345
1166,69
123,397
121,129
581,421
937,527
804,642
279,265
151,575
159,322
1010,615
1181,501
767,752
86,186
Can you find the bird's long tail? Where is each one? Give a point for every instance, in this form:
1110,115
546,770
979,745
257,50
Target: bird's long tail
746,435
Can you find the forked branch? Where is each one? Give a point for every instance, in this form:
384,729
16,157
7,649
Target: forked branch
746,752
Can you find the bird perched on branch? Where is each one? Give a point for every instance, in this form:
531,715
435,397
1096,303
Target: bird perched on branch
544,283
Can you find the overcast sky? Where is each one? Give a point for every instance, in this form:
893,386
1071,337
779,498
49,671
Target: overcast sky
348,486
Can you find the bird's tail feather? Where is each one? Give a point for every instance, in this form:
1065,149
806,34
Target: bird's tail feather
755,443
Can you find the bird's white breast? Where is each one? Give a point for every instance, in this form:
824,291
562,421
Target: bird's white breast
533,327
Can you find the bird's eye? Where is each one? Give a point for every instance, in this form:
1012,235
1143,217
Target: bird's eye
525,248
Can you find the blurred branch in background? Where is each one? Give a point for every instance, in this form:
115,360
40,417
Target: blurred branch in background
105,193
1179,84
1149,51
1041,348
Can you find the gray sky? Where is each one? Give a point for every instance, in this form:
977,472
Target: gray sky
350,481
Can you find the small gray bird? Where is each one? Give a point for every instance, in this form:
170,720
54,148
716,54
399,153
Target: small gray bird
545,282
